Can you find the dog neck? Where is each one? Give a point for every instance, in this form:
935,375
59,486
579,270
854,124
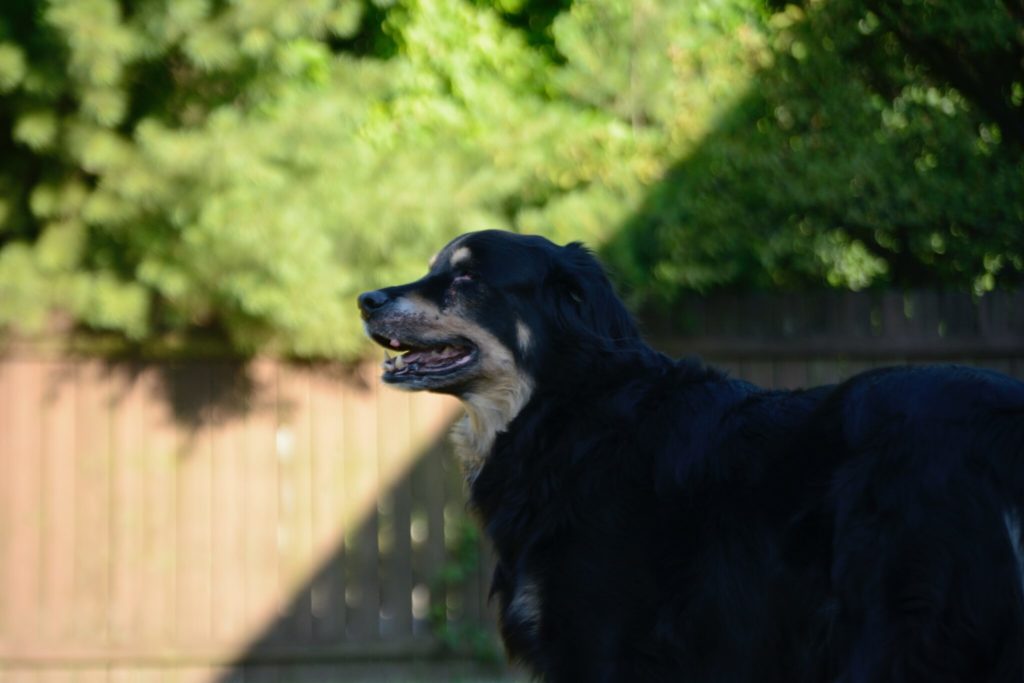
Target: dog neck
488,413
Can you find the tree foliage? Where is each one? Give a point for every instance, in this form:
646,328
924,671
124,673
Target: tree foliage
850,160
172,166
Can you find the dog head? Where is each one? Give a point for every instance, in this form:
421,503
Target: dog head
495,312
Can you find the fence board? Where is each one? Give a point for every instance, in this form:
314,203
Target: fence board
127,503
328,522
462,603
294,466
92,520
228,501
24,479
195,543
361,477
159,558
421,529
395,444
262,588
58,457
434,557
6,456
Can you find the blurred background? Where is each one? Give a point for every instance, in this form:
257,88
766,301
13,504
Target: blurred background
202,479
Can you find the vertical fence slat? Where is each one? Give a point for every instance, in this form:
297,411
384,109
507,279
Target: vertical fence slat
159,541
25,479
401,578
195,543
92,480
420,531
363,588
127,503
463,601
59,445
263,598
435,556
329,524
6,560
228,504
396,444
305,562
895,324
294,453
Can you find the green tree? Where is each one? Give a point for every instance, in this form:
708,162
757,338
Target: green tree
248,169
106,109
174,166
862,153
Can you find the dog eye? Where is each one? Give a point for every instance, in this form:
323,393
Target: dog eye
463,276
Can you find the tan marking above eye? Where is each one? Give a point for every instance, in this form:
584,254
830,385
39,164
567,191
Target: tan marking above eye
460,256
433,260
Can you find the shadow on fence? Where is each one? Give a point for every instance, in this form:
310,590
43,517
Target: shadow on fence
299,530
390,605
173,522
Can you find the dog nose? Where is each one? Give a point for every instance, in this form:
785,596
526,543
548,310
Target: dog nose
371,301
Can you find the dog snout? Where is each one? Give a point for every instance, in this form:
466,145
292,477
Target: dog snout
371,302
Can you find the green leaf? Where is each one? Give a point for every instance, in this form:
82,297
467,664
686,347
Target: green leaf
12,67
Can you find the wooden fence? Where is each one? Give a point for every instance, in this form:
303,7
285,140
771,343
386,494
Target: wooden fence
168,521
217,521
808,339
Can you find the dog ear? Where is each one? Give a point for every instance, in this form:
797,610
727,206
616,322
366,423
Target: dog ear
586,306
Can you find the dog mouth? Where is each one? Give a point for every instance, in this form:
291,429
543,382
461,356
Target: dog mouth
419,361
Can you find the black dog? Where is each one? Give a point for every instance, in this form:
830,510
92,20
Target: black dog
655,520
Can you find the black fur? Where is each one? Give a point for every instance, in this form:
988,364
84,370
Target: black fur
668,523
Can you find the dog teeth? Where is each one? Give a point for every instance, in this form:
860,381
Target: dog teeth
399,363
